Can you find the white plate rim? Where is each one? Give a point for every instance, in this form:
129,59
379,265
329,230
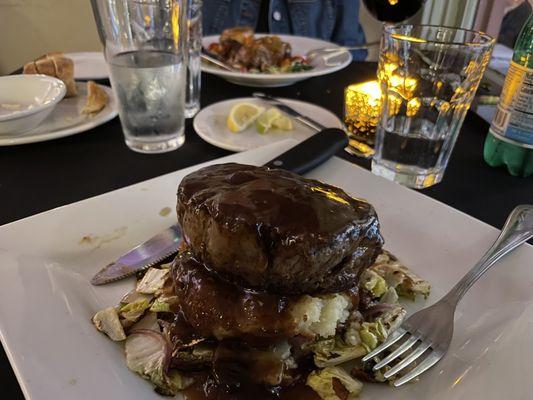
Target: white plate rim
108,113
292,76
223,145
94,55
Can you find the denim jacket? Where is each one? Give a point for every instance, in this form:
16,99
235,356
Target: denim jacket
332,20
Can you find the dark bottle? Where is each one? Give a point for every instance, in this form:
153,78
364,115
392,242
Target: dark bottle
393,10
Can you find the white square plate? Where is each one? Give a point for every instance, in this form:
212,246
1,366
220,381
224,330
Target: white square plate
46,300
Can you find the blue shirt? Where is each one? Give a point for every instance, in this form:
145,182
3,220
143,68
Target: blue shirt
332,20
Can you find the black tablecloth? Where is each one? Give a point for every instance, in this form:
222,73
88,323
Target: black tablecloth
41,176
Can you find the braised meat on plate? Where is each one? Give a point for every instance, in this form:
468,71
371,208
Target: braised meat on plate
239,48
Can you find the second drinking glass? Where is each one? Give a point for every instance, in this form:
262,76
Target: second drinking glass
428,77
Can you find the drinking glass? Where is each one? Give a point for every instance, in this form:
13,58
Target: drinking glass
428,77
194,25
145,51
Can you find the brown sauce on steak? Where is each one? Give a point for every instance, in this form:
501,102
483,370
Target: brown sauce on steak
293,206
215,308
275,230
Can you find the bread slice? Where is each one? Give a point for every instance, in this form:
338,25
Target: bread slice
46,67
96,99
52,54
57,65
30,68
64,69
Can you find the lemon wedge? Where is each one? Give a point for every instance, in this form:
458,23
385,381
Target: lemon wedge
267,119
242,115
283,122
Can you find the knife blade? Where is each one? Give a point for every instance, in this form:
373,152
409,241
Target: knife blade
141,257
300,159
304,119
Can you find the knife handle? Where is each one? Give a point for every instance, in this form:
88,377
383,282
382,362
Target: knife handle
312,152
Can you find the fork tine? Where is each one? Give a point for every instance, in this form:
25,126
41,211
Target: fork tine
396,353
407,360
393,338
430,360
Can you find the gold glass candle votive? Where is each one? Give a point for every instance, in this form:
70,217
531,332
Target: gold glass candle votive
362,109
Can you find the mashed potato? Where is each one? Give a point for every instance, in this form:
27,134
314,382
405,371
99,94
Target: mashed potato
321,315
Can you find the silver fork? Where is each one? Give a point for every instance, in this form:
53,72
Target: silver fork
429,331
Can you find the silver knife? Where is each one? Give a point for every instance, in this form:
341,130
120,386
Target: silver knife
141,257
301,158
311,123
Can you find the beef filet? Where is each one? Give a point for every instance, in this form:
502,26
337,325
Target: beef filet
220,309
212,307
275,230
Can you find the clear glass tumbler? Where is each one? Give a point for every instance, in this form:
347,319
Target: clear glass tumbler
428,77
194,76
145,51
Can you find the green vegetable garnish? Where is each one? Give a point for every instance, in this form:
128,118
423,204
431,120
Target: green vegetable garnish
325,383
335,351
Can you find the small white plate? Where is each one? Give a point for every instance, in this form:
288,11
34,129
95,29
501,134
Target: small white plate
66,119
300,46
89,65
210,125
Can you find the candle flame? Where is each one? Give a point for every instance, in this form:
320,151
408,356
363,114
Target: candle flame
371,89
362,105
147,20
175,22
413,106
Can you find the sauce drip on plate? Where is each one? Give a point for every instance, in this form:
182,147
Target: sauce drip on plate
207,389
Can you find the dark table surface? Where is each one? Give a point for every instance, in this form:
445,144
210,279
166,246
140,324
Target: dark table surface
37,177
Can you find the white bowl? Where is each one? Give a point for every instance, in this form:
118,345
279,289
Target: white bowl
300,46
26,100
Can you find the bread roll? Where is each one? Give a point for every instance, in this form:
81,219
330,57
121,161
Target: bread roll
30,68
57,65
64,69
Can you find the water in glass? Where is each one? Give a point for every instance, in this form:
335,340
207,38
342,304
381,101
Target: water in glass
149,87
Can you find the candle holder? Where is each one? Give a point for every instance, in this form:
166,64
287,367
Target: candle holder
362,110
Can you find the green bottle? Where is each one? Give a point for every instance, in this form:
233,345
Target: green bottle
510,138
